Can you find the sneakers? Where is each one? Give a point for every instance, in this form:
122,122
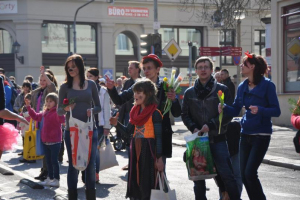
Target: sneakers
46,182
52,183
97,177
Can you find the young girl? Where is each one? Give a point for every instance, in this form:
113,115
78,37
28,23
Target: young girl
146,145
51,135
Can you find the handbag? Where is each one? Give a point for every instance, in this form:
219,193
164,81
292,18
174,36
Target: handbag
160,194
29,151
39,144
199,161
108,157
81,134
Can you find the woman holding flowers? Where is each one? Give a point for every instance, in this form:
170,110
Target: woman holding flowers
258,95
151,66
81,93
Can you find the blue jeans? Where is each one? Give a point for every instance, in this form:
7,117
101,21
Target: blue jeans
235,161
90,176
51,154
253,149
100,133
223,164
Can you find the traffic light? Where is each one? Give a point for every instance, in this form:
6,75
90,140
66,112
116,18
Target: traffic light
157,44
146,44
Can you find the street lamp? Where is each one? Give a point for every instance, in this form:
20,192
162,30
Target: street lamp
238,15
74,23
16,49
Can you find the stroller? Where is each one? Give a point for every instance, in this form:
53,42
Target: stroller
119,141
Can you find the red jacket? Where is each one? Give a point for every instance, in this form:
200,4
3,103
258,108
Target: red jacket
51,130
295,120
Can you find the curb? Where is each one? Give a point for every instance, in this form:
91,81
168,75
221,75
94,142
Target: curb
265,161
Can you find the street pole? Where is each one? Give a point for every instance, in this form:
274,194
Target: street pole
190,63
238,70
155,14
74,23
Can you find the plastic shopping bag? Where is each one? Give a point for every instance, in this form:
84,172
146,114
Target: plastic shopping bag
29,151
81,134
108,157
161,194
199,161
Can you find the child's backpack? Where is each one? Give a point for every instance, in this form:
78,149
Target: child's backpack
296,141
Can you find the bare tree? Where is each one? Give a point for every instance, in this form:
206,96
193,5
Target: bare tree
222,13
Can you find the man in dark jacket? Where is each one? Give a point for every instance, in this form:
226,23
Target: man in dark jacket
151,65
200,114
226,80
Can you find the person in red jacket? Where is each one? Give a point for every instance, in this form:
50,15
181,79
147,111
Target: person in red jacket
295,118
51,135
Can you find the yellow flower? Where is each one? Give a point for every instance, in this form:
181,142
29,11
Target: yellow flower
173,72
165,79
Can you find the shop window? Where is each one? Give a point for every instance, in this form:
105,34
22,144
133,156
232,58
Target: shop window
123,45
291,45
58,38
259,42
6,42
227,38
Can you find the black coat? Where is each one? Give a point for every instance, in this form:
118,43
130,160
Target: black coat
167,131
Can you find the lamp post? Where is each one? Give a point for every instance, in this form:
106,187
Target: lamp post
239,15
74,23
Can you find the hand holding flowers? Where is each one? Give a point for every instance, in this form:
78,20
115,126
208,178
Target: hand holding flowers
68,103
171,87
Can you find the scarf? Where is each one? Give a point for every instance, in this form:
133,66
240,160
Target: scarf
138,118
203,90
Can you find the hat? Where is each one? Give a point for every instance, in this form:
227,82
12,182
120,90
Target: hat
102,80
153,57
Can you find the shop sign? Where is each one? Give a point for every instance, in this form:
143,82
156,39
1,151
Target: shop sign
7,7
128,11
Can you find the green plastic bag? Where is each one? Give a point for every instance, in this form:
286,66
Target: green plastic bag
199,161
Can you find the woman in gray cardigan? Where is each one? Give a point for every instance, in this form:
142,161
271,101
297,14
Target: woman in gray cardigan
85,93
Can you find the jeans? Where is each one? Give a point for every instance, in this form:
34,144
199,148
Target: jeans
235,161
253,149
90,175
223,164
100,134
51,156
200,190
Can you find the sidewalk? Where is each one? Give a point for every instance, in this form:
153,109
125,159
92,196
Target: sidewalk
281,151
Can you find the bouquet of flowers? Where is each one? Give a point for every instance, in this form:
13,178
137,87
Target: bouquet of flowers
221,98
67,102
171,84
295,109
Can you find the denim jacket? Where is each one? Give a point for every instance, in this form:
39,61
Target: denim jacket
264,97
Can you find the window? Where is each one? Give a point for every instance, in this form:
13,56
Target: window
227,38
291,45
58,38
6,42
182,36
259,42
93,34
123,45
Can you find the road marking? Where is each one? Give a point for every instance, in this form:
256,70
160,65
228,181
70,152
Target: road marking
286,195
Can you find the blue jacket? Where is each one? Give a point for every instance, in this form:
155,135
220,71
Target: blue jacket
264,97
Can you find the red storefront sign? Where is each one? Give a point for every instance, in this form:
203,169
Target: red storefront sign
128,11
217,51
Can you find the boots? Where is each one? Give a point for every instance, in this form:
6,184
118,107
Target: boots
43,175
72,194
90,194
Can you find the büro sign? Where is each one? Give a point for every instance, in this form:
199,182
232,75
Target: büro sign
7,7
128,11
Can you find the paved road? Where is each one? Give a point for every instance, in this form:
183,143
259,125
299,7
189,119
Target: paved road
279,183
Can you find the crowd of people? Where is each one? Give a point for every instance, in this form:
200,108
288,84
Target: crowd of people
237,149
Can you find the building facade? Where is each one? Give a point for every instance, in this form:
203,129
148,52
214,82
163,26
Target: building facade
285,48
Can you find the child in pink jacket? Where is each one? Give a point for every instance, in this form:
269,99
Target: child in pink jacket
51,135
